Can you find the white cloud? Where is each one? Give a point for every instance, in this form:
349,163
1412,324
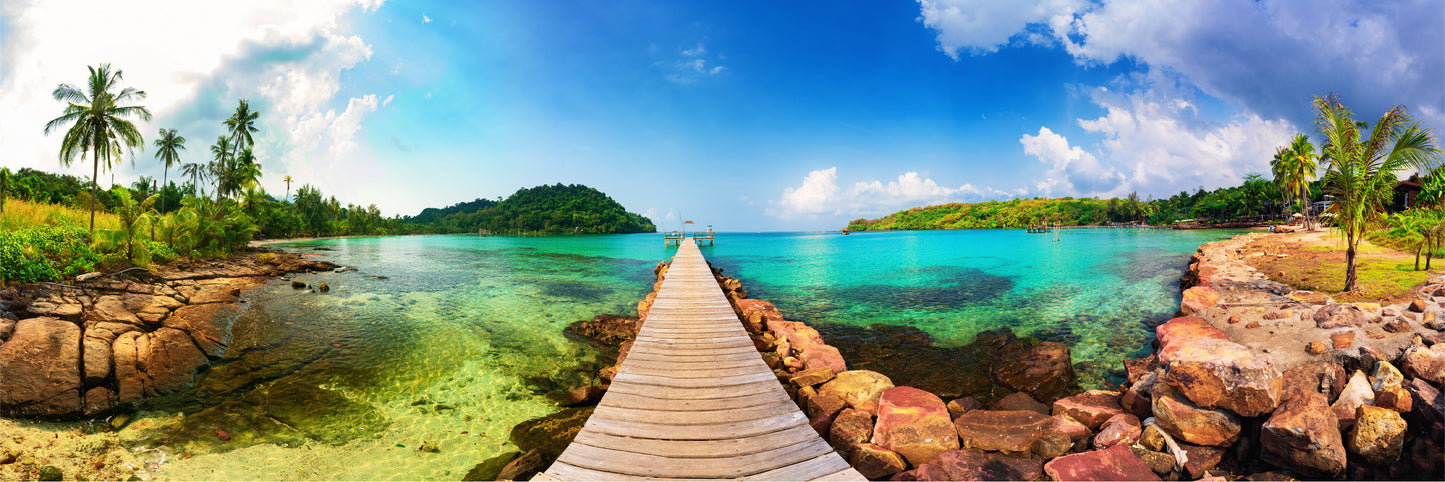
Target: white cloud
1271,57
286,57
695,51
692,65
1070,169
820,195
425,19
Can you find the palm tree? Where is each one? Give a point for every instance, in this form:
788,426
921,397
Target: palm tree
221,166
241,124
100,123
197,173
1362,171
166,150
288,187
1294,167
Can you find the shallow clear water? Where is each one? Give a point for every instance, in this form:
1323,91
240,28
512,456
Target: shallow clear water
465,333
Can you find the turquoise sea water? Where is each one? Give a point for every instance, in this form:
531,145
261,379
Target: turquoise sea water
451,340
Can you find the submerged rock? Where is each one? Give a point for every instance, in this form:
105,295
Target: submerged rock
551,434
295,403
1044,371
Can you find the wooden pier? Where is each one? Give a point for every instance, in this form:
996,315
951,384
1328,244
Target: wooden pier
694,400
675,238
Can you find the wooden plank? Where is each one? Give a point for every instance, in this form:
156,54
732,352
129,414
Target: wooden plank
563,471
715,431
695,417
644,465
701,448
626,377
848,474
682,358
696,365
692,351
681,393
829,463
648,402
701,372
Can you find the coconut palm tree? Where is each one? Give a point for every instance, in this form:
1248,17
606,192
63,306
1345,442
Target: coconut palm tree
222,150
100,122
197,172
242,124
1294,167
1362,171
167,150
288,182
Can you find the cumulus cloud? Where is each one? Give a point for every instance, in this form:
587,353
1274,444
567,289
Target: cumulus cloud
1269,56
819,194
286,57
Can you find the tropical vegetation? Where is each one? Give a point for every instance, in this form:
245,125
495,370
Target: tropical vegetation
99,122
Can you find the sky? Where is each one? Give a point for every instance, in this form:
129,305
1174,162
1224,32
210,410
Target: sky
750,116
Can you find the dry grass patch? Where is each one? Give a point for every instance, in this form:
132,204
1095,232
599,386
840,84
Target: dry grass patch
1317,263
25,214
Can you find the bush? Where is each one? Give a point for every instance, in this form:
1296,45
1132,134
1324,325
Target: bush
50,253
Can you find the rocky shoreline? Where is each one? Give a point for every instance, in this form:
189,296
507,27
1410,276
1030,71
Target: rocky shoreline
107,343
1240,386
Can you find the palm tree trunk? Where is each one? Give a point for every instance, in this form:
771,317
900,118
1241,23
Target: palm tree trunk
94,184
164,175
1350,262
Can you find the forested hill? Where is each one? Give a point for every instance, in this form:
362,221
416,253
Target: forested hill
561,209
1015,213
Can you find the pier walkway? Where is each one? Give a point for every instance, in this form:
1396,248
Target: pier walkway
694,400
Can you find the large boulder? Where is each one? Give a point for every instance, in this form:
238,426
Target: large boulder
1389,386
1303,435
1119,429
1044,371
1428,404
857,388
1175,332
978,465
1339,315
1223,374
763,309
913,423
1091,408
1422,362
1378,435
1019,401
40,368
209,325
1357,392
820,356
850,428
799,335
876,462
170,361
1114,463
1198,299
1189,422
1005,431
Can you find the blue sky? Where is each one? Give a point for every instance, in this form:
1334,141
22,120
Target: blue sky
745,115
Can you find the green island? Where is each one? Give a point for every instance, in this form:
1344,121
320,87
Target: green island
1285,323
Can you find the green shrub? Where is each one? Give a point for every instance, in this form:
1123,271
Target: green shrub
50,253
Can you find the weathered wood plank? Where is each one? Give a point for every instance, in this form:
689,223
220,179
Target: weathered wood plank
829,463
649,402
713,431
701,448
645,465
669,382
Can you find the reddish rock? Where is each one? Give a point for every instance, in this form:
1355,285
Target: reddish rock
915,424
1223,374
1357,392
1235,319
1114,463
1137,404
977,465
1174,333
799,335
170,362
1202,458
819,356
1315,377
1069,426
1135,368
1428,363
1303,435
748,307
876,462
959,406
1397,326
821,423
1252,325
808,378
1188,422
1378,435
1007,431
1198,299
857,387
208,325
1119,429
1315,347
1339,315
1342,340
1091,408
1044,371
1019,401
40,368
1419,306
1277,315
850,428
588,395
820,403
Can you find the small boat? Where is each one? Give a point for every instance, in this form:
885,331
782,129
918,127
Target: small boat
844,231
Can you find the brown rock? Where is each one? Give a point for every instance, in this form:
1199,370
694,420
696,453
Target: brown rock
112,308
1419,306
1043,371
588,395
1173,334
40,368
1114,463
1277,315
1068,425
1342,340
808,378
208,325
1315,348
1202,458
1019,401
1428,363
524,467
1303,435
1119,429
1223,374
1007,431
1197,299
850,428
821,423
1378,435
818,356
98,400
959,406
977,465
1397,326
915,424
1357,392
1188,422
95,357
1428,405
1235,319
1091,408
876,462
1135,369
1252,325
130,382
1339,315
1159,462
825,404
1051,444
1137,404
857,387
170,362
1151,438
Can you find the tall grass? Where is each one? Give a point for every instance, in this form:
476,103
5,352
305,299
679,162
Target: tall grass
25,214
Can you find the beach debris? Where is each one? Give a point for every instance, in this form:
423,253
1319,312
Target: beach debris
87,276
344,269
1179,457
323,287
223,435
297,285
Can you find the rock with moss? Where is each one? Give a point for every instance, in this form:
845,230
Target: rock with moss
551,434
